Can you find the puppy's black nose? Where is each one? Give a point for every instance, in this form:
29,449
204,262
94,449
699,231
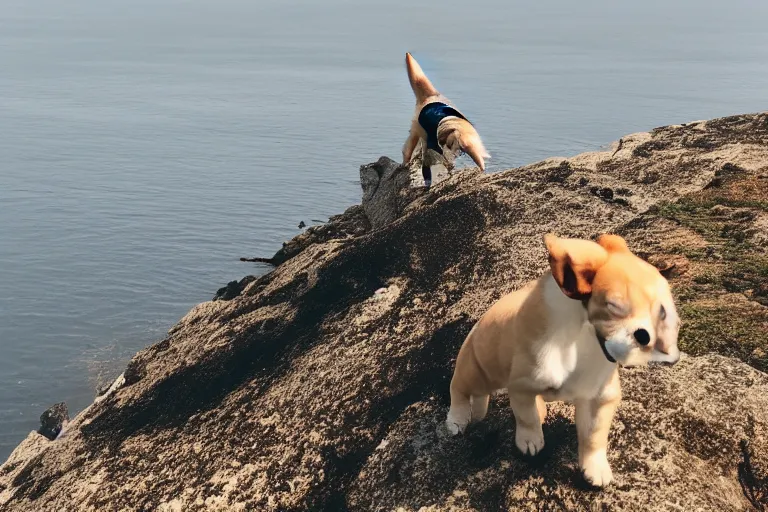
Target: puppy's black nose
642,337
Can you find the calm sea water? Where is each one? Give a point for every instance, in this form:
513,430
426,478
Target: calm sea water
146,145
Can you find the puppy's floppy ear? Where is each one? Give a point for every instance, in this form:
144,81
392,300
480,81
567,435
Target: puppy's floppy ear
613,243
574,264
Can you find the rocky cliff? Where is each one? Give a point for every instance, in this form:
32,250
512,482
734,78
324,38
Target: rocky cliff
320,386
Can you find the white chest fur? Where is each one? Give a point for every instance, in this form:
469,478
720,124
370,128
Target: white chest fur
570,364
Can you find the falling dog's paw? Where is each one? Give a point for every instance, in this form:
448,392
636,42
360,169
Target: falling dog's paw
597,472
529,441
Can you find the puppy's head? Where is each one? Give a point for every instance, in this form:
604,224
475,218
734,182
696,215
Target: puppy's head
628,301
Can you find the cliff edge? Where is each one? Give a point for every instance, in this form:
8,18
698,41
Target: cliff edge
320,385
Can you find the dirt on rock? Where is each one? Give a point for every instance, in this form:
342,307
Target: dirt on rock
320,385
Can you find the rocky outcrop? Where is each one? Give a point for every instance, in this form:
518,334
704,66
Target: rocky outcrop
350,224
388,188
319,386
386,191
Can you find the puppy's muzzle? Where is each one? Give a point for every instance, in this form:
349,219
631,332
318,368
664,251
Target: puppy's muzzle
658,357
663,358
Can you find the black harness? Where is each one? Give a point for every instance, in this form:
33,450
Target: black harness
430,118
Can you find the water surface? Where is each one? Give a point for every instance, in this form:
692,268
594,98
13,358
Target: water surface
146,145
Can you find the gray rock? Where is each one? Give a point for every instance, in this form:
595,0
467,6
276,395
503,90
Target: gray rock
233,288
53,420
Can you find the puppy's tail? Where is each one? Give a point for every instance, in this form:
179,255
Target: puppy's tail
459,135
420,84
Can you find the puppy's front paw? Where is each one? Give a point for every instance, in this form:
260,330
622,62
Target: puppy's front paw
530,441
597,471
454,428
457,420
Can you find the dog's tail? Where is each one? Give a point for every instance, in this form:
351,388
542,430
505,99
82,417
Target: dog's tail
420,84
459,135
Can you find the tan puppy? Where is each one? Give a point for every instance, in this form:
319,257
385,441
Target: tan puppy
444,132
560,337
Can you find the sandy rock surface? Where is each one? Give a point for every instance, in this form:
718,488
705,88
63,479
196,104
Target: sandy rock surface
320,385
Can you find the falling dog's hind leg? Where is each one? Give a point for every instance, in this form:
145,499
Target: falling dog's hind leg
426,172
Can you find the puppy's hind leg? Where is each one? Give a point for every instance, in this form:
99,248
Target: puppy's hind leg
469,389
460,413
479,406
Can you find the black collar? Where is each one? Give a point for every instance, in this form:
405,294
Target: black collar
601,340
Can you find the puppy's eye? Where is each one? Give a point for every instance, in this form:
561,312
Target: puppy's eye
662,313
617,309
